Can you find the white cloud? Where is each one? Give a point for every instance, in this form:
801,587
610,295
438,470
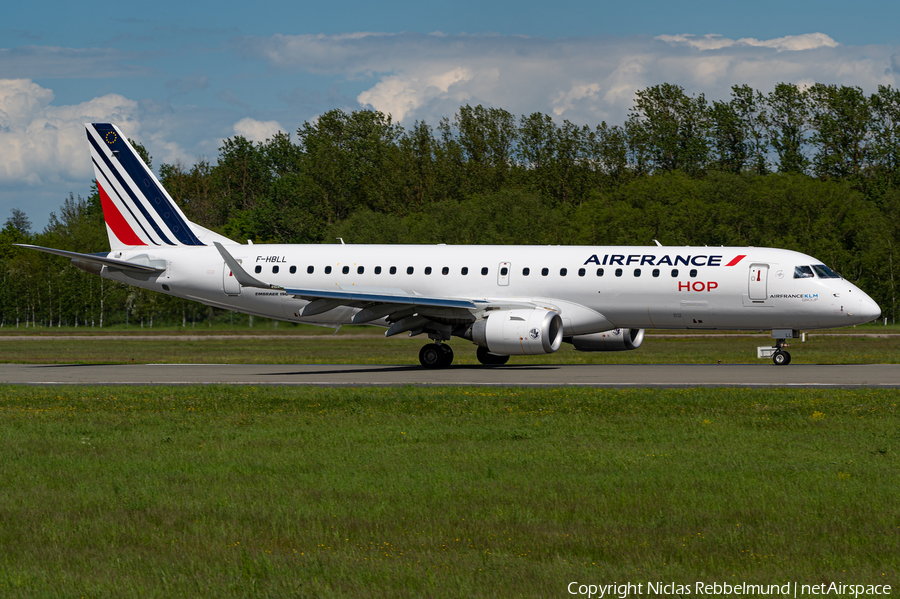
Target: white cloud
257,130
566,99
711,41
585,80
41,143
402,94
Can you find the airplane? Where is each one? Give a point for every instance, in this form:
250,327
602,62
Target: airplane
506,299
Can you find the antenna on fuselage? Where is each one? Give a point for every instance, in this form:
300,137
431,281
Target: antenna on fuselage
656,241
342,240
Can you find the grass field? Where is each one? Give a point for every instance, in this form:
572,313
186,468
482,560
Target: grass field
365,345
443,492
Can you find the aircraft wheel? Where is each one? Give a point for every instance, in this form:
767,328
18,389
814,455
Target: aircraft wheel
448,354
781,358
432,356
489,359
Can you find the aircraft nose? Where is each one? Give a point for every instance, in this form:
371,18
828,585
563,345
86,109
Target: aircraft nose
868,309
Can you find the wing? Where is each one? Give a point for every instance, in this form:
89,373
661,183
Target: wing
406,311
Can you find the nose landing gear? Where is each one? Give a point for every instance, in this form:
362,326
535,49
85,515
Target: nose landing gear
781,357
778,354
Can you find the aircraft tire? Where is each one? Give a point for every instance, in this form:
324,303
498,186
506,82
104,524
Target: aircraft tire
781,358
448,355
432,356
489,359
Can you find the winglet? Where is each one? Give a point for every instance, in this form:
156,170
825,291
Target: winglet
239,273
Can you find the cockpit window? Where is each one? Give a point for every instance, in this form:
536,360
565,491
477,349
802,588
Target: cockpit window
824,272
803,272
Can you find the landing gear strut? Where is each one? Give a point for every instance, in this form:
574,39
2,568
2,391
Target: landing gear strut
489,359
435,355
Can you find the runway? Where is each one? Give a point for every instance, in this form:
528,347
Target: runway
643,375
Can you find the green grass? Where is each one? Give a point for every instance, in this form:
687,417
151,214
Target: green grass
375,349
407,492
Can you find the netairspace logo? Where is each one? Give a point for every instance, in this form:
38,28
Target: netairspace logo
720,589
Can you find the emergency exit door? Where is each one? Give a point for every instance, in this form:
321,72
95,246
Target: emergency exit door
759,274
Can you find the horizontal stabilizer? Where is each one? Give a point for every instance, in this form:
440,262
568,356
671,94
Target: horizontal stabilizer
97,259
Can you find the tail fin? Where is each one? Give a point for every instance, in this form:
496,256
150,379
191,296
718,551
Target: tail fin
137,209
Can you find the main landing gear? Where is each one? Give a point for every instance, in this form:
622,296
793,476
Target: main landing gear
489,359
440,355
436,355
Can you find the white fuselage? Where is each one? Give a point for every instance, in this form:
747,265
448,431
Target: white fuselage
637,287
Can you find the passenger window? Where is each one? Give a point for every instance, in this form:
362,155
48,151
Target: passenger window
581,272
409,270
562,272
484,270
393,270
377,270
504,271
637,272
360,270
600,272
464,271
545,272
445,271
427,270
275,270
618,272
310,269
293,269
655,272
327,270
693,273
674,272
803,272
526,271
345,270
258,269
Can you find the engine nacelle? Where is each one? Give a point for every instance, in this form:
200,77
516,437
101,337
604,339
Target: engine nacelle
614,340
519,332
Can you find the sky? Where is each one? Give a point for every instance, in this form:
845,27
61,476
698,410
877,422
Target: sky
180,77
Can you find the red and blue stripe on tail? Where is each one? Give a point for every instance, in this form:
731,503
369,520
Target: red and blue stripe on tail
137,209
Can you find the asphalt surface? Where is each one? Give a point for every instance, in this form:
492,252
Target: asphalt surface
643,375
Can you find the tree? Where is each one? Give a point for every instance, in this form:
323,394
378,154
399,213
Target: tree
884,151
675,128
750,107
20,222
487,138
841,117
787,125
350,162
729,139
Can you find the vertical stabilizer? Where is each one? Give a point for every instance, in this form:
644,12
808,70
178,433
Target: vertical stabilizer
137,209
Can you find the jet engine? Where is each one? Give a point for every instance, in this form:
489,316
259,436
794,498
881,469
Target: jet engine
519,332
614,340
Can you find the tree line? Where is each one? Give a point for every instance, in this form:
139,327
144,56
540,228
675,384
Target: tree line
812,168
